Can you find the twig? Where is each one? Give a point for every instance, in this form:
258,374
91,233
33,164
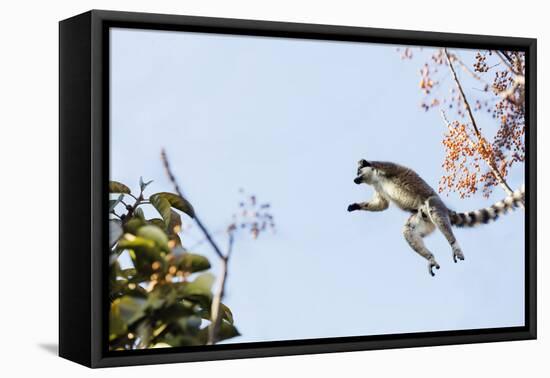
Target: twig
131,195
519,80
215,314
503,55
508,62
490,163
202,241
132,208
196,218
116,215
467,69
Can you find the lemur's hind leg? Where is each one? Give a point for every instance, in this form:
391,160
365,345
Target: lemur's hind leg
418,226
439,215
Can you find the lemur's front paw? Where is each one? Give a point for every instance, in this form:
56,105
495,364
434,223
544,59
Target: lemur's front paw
431,265
354,206
457,255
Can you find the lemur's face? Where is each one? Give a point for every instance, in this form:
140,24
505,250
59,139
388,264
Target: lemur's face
365,173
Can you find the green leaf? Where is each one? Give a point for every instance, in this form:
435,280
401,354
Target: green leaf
133,224
163,207
157,222
227,314
144,331
190,325
192,263
143,184
117,326
144,253
179,339
130,308
114,271
127,273
174,226
176,202
114,202
138,213
130,275
155,234
176,239
226,331
174,313
117,187
132,242
203,283
120,288
225,311
160,345
199,290
163,295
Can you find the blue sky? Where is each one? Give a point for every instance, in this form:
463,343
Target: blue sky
287,120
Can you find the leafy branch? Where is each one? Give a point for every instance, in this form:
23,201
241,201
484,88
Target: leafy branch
253,216
472,161
161,300
484,148
156,303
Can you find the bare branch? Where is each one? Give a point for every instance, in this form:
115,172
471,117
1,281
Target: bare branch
215,313
514,67
508,62
519,80
196,218
467,69
444,116
200,242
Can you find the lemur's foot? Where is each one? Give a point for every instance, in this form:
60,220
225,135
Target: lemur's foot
457,254
431,265
354,206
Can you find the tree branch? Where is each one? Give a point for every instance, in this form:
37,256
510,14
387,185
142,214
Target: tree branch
215,313
519,80
467,69
196,218
477,133
508,62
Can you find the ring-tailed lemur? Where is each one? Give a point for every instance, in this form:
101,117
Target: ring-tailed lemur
406,189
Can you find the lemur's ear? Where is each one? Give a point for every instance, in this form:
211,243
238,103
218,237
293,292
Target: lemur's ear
363,163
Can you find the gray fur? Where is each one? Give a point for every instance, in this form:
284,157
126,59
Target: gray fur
407,190
488,214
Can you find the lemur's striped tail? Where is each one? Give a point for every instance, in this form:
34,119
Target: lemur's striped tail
474,218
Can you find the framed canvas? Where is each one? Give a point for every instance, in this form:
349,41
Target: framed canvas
236,188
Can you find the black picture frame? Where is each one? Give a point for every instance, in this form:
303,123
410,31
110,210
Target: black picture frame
84,175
